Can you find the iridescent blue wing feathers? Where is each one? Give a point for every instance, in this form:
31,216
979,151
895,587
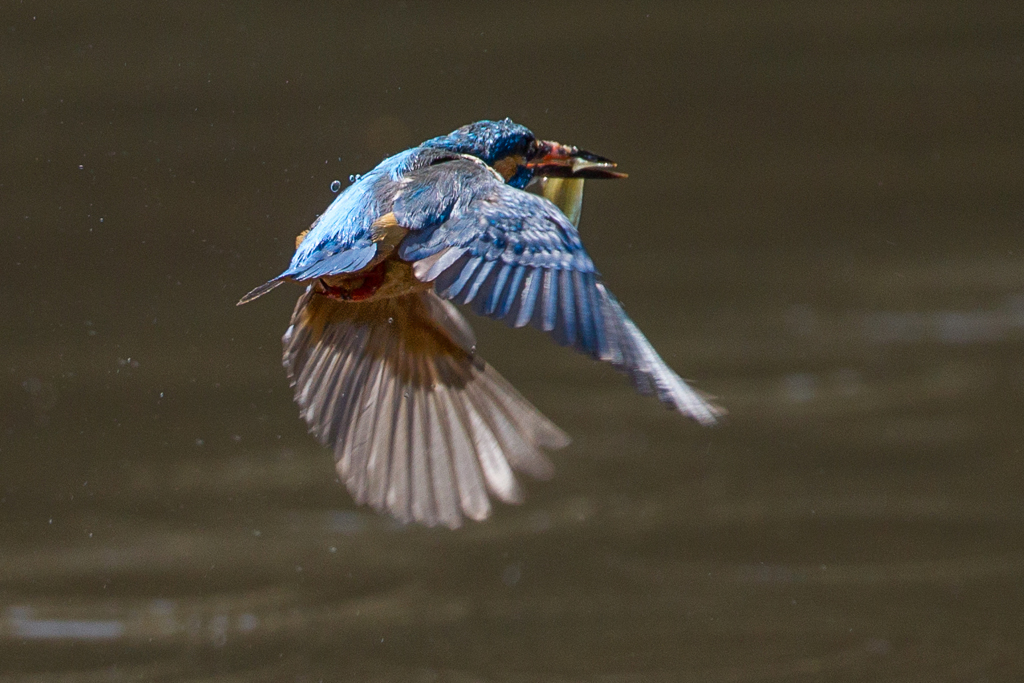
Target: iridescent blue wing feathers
514,256
385,370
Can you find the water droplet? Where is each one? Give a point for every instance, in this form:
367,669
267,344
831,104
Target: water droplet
336,186
354,178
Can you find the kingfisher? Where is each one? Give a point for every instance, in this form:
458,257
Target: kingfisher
385,368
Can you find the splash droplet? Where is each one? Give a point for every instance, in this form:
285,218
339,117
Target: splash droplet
354,178
336,186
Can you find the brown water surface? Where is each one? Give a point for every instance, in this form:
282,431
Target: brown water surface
822,226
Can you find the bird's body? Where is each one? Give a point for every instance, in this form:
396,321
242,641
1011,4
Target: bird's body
385,368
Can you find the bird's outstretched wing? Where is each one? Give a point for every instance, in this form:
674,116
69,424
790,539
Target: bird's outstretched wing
419,425
516,257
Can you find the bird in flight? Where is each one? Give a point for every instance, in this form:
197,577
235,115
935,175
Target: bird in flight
385,368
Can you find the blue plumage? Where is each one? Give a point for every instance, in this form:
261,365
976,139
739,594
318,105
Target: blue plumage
385,369
346,224
424,186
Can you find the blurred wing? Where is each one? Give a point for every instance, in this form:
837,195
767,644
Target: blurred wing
419,426
514,256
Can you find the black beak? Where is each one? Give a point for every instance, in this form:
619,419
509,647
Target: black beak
555,160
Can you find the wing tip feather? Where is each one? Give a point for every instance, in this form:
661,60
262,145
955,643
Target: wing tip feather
257,292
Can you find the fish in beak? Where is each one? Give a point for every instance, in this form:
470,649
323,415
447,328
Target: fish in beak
559,171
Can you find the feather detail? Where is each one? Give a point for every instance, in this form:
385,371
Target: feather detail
651,376
420,426
261,290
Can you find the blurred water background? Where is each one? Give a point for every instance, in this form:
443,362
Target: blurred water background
822,226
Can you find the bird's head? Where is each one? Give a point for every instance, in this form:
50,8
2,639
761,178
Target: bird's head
516,153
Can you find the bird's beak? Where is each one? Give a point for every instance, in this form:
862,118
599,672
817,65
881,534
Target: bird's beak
555,160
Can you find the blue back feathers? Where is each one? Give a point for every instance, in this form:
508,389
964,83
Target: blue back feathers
341,240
